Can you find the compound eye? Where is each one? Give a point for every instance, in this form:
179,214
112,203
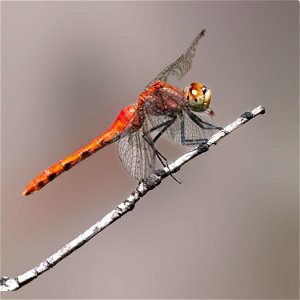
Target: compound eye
204,90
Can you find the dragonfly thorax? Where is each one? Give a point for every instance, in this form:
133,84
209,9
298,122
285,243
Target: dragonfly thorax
198,96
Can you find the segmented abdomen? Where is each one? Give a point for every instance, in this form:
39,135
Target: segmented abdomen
123,121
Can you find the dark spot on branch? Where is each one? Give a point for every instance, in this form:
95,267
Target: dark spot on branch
248,115
129,204
203,148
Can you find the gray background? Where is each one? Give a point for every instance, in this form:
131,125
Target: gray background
231,229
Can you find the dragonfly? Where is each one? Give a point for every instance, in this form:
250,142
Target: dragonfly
182,115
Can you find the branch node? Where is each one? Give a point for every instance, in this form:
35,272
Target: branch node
152,181
248,115
161,173
203,148
129,204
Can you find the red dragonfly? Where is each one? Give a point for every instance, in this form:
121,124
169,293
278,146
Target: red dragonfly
183,115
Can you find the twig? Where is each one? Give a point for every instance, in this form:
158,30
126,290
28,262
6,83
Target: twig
12,284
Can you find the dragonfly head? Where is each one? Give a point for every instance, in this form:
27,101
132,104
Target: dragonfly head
198,96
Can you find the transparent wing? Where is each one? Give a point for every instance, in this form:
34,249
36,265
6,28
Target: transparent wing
137,150
182,65
189,131
137,156
184,130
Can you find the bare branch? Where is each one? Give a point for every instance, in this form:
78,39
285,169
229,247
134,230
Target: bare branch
12,284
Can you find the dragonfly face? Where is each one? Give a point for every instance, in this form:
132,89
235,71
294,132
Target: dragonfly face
198,96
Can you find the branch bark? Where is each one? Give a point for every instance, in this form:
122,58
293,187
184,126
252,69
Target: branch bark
12,284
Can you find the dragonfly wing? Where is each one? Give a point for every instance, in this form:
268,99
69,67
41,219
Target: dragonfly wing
193,132
185,129
137,156
182,65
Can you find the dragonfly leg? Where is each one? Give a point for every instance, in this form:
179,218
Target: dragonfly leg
164,126
164,162
202,124
184,140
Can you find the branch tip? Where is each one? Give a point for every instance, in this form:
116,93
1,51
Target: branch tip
8,284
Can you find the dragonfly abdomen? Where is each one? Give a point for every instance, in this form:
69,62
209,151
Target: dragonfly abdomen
111,135
61,166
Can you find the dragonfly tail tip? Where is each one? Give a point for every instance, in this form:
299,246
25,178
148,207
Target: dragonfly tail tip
27,192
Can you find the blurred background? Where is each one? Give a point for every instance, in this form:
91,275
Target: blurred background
230,230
